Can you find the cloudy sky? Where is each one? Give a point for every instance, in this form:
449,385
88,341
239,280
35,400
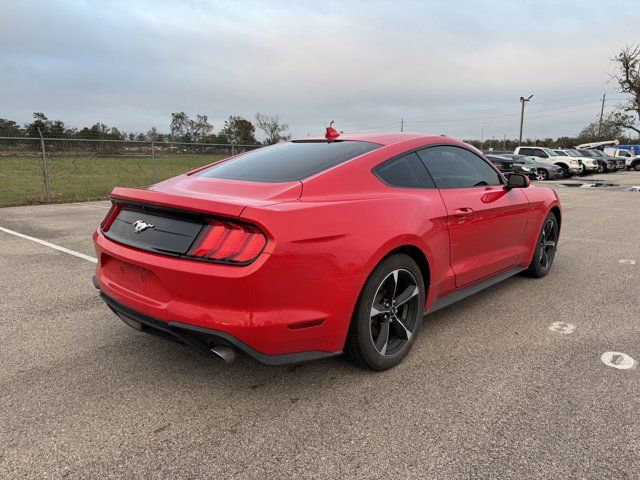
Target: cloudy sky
445,67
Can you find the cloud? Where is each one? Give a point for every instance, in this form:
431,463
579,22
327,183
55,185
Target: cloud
449,67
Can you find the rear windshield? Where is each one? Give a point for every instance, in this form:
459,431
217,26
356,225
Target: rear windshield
290,161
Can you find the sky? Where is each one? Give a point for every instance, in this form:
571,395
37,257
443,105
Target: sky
455,68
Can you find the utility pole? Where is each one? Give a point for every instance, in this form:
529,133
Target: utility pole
45,170
601,115
522,101
402,124
482,136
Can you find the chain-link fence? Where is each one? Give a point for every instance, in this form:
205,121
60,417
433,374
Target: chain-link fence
44,170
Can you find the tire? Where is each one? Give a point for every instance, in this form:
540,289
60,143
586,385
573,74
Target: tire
546,246
601,168
565,171
636,166
544,174
583,171
375,316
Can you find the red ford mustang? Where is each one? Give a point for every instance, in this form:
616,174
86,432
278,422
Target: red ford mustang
309,248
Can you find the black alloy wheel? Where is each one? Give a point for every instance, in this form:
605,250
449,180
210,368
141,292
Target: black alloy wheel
545,250
393,313
388,314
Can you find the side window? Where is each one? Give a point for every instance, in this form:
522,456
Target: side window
526,151
456,167
540,153
406,171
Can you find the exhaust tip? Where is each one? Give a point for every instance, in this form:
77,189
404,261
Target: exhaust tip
224,353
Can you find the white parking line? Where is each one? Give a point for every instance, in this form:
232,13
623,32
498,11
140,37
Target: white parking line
562,327
627,261
50,245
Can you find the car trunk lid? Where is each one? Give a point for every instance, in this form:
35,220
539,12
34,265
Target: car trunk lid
211,195
168,217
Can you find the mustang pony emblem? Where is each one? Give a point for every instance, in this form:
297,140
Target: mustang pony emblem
140,226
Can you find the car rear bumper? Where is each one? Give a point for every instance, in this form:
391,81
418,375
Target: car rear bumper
265,308
202,339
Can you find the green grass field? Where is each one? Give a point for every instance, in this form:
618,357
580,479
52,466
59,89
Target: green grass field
76,179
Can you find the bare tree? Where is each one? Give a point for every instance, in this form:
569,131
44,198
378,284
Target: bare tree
152,134
608,129
272,128
180,126
201,128
627,75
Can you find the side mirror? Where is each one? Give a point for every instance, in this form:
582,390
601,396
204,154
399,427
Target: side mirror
517,180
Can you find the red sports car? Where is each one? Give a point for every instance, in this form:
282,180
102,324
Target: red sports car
310,248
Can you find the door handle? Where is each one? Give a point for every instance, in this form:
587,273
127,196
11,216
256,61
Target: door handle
463,211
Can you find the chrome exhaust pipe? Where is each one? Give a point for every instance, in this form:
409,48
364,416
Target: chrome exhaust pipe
224,353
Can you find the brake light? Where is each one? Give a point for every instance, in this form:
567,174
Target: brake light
228,242
111,216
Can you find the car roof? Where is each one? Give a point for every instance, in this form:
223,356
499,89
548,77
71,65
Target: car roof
386,138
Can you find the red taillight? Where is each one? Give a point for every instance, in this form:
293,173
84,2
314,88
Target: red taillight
111,216
229,242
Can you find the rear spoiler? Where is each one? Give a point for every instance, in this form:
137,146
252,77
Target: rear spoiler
228,207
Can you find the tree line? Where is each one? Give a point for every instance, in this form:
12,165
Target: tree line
236,130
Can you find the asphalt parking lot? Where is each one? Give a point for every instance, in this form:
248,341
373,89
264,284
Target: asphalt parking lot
489,390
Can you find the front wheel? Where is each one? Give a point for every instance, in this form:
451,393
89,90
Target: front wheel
545,250
636,166
544,175
388,314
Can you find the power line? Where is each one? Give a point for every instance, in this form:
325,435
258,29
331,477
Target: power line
511,107
505,115
500,118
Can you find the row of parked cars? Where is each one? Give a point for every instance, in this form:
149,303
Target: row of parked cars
542,163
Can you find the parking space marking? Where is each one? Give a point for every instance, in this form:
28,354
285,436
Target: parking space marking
562,327
618,360
627,261
50,245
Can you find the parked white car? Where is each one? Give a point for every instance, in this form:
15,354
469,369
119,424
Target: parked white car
589,165
570,165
